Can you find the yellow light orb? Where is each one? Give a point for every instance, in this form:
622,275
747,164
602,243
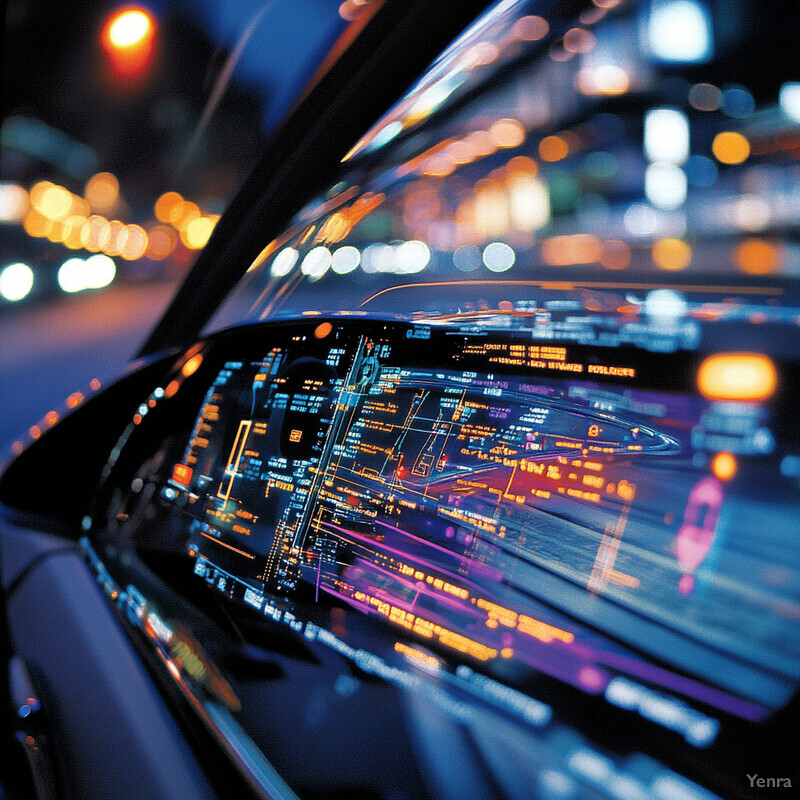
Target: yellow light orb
730,147
129,27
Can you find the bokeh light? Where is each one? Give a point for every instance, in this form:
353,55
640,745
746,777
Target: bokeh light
129,27
672,254
283,262
665,185
680,30
507,133
737,376
724,466
166,204
467,258
737,102
412,257
345,260
530,29
77,274
136,243
789,100
553,148
316,263
128,40
102,192
198,231
605,79
705,97
666,135
162,240
579,40
578,248
758,256
13,202
16,281
498,257
730,147
36,224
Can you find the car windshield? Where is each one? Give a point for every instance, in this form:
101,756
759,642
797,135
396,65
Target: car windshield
544,159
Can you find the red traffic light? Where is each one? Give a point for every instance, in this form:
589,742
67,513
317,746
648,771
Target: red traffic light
127,38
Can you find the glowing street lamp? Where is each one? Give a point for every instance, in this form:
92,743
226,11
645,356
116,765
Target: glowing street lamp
127,38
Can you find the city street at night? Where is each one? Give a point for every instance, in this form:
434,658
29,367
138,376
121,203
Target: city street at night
126,131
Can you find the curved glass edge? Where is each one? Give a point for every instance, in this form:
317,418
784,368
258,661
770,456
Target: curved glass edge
188,667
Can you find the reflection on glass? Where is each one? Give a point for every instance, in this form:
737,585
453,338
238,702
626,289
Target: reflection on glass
562,487
636,139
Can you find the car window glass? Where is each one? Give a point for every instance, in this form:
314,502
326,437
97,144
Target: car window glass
541,146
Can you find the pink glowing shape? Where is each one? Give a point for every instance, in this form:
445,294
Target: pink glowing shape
696,535
591,679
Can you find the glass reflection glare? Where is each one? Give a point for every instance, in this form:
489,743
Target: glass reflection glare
630,141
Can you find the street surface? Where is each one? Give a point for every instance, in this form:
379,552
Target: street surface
49,351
